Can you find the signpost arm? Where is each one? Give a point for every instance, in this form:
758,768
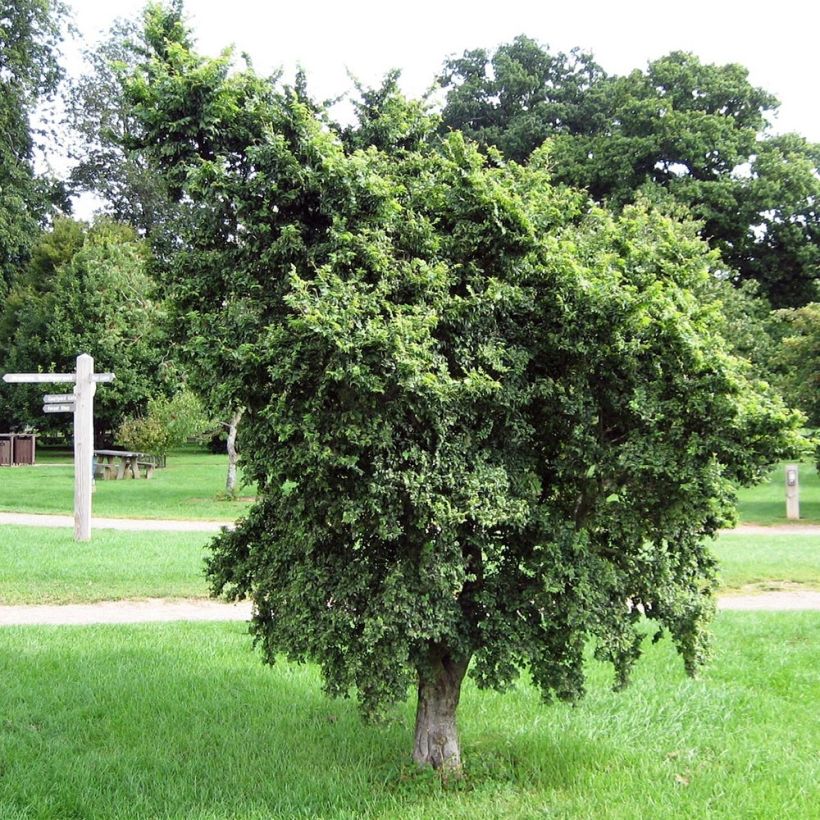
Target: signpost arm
84,390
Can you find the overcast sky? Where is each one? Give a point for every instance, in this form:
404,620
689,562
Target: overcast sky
776,41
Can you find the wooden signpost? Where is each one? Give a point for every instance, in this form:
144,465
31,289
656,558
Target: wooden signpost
81,403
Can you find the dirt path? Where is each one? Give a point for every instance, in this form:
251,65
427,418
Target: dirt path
786,600
178,525
159,610
156,610
134,524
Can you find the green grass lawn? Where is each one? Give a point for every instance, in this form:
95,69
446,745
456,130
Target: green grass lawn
46,566
768,562
182,720
191,486
766,503
40,565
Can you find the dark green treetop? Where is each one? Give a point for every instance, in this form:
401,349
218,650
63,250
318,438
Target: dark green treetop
521,94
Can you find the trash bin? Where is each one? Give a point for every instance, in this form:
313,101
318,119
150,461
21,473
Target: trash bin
23,449
17,448
5,449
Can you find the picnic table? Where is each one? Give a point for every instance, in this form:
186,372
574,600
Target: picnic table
118,464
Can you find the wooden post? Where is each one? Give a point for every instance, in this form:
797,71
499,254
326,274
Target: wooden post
792,492
84,390
81,403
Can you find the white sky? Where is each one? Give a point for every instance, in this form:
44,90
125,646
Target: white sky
777,42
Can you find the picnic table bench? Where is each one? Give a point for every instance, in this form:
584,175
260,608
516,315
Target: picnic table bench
118,464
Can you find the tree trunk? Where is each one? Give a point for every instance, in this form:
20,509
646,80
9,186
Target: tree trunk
230,482
436,742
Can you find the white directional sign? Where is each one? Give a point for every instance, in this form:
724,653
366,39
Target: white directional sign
39,378
81,403
68,407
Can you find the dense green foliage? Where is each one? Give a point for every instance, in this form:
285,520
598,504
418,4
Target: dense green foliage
488,419
168,422
85,291
681,132
799,359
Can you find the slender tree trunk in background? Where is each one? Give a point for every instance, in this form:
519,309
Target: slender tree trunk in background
230,483
436,742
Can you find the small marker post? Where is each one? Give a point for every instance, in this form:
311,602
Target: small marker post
792,492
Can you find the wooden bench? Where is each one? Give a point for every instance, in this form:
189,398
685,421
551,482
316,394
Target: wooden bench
147,467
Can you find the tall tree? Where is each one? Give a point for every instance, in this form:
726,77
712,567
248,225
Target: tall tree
108,164
86,291
799,359
488,421
520,95
30,33
780,200
680,132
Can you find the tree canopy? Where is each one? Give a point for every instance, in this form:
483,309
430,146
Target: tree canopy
100,119
489,420
85,291
681,132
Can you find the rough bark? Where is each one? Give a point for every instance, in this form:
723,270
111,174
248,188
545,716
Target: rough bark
436,741
230,482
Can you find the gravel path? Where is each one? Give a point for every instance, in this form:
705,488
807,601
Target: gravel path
134,524
168,525
787,600
157,610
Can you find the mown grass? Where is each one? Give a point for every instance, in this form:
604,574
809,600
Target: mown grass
46,566
191,486
39,565
768,562
766,503
182,720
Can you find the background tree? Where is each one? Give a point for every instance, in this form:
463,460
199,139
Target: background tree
108,164
681,131
488,421
781,248
87,291
30,33
520,95
168,422
799,360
